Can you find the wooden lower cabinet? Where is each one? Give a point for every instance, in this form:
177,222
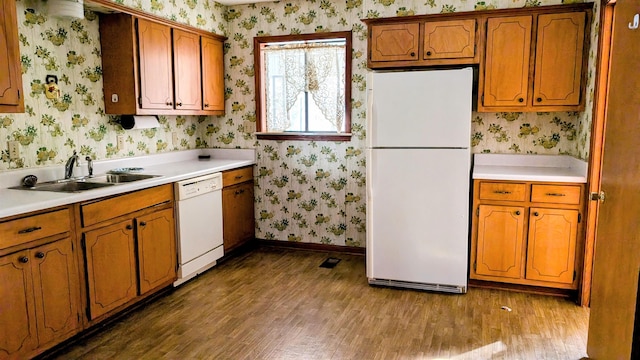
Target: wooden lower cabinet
527,233
238,217
552,245
111,267
39,299
500,238
156,249
129,251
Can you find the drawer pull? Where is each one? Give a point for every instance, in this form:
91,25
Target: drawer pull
238,177
501,192
40,255
23,259
28,230
238,192
555,194
536,213
129,227
142,223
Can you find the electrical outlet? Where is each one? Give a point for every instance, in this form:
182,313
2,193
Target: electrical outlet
120,142
14,150
174,138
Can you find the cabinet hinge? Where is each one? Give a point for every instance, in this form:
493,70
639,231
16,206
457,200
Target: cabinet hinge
140,101
579,217
482,99
78,317
73,248
574,275
477,211
18,94
475,266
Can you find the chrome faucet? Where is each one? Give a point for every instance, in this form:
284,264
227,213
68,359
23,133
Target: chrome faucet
68,167
89,165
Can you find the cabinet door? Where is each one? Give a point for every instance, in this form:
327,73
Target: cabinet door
56,291
237,215
506,72
17,310
10,74
111,267
499,244
156,249
156,77
394,42
186,67
558,69
449,39
552,245
212,75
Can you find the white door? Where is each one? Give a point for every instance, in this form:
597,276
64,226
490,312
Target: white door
420,108
417,215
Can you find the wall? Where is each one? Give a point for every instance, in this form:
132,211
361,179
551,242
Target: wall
50,130
315,191
305,191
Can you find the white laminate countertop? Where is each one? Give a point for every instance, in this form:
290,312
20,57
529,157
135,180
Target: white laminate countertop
171,167
548,168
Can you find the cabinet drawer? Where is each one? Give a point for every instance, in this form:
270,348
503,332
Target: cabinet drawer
502,191
95,212
35,227
237,176
557,194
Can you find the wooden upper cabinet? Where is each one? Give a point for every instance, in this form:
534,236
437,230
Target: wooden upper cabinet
213,72
506,66
11,95
449,39
396,42
552,245
500,241
558,66
156,77
186,64
156,68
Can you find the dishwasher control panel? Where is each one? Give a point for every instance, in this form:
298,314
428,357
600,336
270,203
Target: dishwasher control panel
198,186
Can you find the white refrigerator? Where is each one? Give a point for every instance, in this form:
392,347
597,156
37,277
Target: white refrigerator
418,171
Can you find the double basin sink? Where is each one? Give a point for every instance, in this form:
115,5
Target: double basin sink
86,183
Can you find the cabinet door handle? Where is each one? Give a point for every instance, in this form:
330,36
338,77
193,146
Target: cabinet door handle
555,194
143,223
517,212
206,105
179,104
412,54
169,103
501,192
428,53
520,100
536,213
539,99
238,192
40,255
129,227
23,259
28,230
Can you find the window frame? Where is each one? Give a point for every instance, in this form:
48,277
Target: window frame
259,42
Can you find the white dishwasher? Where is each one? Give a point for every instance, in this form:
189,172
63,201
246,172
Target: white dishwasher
199,225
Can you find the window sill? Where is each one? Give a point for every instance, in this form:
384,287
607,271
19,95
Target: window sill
285,136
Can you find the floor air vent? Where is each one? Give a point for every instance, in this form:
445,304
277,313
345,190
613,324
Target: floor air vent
330,263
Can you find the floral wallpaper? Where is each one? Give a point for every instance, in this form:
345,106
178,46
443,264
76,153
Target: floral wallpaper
306,191
69,49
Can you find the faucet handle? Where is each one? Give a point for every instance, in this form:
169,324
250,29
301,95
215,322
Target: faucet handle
89,164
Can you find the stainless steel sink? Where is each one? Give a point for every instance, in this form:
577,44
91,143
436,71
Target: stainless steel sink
83,184
120,178
71,186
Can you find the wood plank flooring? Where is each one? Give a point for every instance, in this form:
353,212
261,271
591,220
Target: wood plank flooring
276,303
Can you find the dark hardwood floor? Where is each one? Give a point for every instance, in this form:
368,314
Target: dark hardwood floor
274,303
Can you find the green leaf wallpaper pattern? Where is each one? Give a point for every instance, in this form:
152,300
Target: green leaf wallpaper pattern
305,191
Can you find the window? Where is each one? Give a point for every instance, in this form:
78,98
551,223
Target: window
303,86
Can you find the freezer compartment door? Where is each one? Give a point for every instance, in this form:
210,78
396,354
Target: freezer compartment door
418,215
420,108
